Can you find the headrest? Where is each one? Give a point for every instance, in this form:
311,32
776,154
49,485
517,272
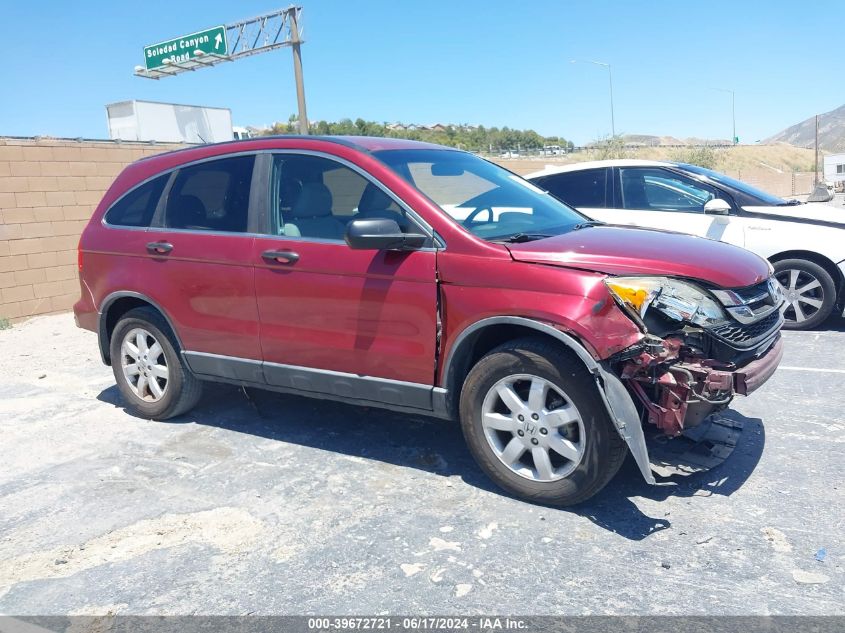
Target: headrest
314,201
374,199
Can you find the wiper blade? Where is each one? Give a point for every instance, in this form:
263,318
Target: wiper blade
517,238
790,203
584,225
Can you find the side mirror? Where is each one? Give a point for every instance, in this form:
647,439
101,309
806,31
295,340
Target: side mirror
717,206
381,234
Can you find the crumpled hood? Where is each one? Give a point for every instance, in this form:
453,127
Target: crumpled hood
810,213
618,250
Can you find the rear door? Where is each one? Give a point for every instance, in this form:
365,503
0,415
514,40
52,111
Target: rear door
334,319
199,264
587,190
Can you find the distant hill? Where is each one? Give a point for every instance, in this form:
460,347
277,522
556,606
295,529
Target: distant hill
648,140
739,161
831,132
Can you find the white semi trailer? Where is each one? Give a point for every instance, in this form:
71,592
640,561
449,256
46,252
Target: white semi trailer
168,122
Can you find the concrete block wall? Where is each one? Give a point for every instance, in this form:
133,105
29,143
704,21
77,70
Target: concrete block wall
50,187
48,191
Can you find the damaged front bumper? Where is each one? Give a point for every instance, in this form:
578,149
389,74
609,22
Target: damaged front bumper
700,348
616,391
678,388
672,413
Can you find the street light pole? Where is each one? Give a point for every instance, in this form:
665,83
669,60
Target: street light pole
733,110
610,79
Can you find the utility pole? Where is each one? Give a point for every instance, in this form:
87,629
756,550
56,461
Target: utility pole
297,72
816,167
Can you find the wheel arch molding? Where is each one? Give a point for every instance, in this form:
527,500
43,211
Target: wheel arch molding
117,304
618,402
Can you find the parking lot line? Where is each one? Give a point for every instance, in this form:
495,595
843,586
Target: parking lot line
817,369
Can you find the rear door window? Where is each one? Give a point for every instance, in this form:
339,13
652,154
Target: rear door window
137,207
586,189
211,196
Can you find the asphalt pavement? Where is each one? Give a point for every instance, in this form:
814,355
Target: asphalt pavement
262,503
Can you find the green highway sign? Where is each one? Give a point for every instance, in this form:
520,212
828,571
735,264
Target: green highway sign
182,49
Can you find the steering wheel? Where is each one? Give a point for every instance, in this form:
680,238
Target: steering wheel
471,217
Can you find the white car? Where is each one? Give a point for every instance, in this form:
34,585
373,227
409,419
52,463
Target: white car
804,242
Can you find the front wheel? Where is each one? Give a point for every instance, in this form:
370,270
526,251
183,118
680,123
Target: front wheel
809,291
535,423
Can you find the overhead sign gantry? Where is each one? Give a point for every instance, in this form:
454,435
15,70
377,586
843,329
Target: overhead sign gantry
227,43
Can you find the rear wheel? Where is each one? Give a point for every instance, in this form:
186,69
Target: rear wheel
809,291
148,369
536,425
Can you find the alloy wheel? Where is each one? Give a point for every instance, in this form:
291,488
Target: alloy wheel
803,292
144,365
533,427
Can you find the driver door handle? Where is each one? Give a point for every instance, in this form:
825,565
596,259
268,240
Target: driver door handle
160,248
281,257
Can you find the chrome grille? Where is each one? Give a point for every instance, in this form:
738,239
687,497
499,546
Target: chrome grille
753,303
752,294
748,334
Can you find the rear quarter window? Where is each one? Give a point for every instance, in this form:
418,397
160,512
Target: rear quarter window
137,207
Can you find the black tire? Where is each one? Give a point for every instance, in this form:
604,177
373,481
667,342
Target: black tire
183,389
807,271
604,450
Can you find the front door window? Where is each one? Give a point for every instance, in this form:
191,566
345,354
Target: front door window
655,189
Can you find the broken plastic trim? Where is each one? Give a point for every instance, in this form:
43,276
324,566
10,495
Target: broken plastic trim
621,407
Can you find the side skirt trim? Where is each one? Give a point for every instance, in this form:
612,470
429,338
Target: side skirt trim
320,383
216,366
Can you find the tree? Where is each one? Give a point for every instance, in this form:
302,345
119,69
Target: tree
477,139
610,147
703,156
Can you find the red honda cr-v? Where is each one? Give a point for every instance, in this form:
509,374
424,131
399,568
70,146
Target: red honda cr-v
426,280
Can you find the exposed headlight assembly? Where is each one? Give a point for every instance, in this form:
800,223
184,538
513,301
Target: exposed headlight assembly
678,300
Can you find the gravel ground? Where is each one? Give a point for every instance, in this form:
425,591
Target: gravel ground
269,504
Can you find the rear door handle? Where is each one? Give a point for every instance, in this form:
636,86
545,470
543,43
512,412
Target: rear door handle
281,257
161,248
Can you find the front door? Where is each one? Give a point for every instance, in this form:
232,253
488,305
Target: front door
659,198
360,324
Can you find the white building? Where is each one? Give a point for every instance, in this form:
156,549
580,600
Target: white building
834,168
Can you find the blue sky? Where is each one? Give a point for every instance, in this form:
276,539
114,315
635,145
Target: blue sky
486,62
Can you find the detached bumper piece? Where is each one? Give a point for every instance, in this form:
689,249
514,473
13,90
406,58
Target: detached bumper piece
696,450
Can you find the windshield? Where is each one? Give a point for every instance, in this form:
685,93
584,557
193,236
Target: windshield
766,199
487,200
